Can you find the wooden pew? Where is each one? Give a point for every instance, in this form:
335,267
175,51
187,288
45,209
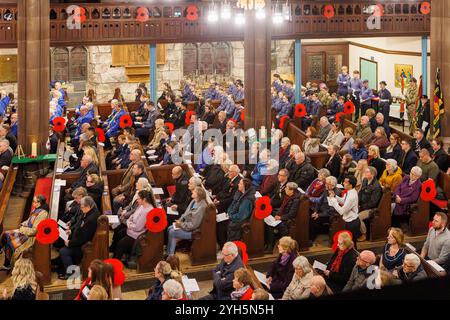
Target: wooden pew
98,248
5,193
336,224
444,183
431,271
299,227
418,220
381,221
253,236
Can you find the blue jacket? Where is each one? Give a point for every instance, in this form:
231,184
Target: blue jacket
286,109
277,104
239,95
80,121
257,174
4,103
358,154
14,128
343,82
314,108
356,85
232,89
114,125
366,94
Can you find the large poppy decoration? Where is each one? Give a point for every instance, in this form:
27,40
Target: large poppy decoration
241,245
47,231
125,121
192,13
59,124
336,236
119,275
378,10
300,110
170,126
188,117
328,11
339,116
142,14
156,220
263,208
349,107
283,121
100,134
428,192
425,7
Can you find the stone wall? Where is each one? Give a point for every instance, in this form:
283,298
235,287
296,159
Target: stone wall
7,87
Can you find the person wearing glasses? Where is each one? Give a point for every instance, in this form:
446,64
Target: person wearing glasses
411,270
15,242
361,271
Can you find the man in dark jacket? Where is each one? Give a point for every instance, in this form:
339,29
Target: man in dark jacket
420,142
5,153
303,173
439,155
368,198
181,194
223,274
277,196
83,232
409,157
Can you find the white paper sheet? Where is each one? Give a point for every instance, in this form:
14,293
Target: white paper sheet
158,191
301,190
63,225
172,212
319,265
138,123
62,234
262,278
190,285
101,144
270,221
113,219
187,161
150,152
61,183
156,165
222,217
258,195
59,170
152,157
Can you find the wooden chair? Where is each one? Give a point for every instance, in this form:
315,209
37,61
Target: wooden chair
98,248
253,236
152,248
299,227
203,248
381,220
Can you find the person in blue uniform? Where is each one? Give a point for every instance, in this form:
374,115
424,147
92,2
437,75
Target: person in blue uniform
113,126
366,97
4,103
343,82
356,86
384,105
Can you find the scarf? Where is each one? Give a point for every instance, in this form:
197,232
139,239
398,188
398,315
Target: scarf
238,293
284,259
337,262
284,203
316,189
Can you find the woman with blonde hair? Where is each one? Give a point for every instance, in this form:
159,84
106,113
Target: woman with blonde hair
93,153
394,250
341,264
359,173
163,272
24,281
156,141
282,270
374,160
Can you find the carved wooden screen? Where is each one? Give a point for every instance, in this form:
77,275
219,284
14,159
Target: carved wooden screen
206,59
334,64
60,64
315,66
78,64
190,59
222,54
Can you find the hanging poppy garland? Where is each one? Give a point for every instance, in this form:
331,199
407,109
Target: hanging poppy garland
100,134
425,7
156,220
263,208
283,121
192,13
336,236
125,121
349,107
59,124
243,247
300,110
339,115
142,14
188,117
328,11
47,231
428,191
119,275
170,126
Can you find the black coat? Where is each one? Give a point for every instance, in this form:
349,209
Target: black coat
5,158
378,164
225,196
278,195
291,208
208,117
85,229
223,276
423,144
81,181
337,280
322,207
408,161
182,195
53,143
12,141
95,192
396,153
441,159
370,194
303,175
334,165
214,177
281,275
284,157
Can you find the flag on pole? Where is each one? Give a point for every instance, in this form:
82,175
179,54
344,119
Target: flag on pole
418,103
438,105
402,103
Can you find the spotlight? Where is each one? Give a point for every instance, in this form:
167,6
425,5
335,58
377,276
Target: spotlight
260,13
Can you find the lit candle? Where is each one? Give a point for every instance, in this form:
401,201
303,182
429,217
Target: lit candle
34,149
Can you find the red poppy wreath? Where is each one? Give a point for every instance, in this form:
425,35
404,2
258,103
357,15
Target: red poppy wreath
349,107
156,220
125,121
300,110
263,207
47,231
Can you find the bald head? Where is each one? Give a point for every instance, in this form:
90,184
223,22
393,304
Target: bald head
366,258
317,285
135,155
176,172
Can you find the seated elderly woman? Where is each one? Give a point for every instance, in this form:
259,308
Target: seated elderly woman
393,251
299,288
407,193
189,222
341,264
243,285
317,187
288,211
379,138
289,164
282,270
392,176
240,209
312,142
15,242
156,140
411,270
172,290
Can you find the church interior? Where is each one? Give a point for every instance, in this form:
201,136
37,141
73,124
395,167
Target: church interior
224,149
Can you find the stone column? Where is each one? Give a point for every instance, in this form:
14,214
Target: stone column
257,43
440,58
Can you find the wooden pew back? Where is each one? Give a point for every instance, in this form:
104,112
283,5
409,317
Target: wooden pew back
381,221
253,236
299,227
98,247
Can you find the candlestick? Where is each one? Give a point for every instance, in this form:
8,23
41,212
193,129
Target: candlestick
34,149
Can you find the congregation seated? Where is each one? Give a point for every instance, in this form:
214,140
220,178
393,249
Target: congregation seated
299,287
347,141
285,148
358,151
430,169
409,157
363,130
374,160
360,273
312,142
341,264
6,154
72,210
281,272
163,273
189,222
290,161
324,130
87,166
393,252
157,137
241,209
380,122
278,193
143,129
317,187
394,150
223,274
368,198
172,290
261,168
392,176
439,155
411,270
406,194
126,178
287,212
437,244
270,178
5,133
15,242
303,173
111,125
243,285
